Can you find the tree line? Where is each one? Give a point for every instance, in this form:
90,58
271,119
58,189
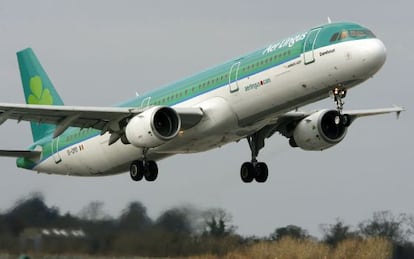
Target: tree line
177,232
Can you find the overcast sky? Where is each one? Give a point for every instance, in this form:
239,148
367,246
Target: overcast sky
100,53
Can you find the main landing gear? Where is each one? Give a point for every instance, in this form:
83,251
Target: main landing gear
254,170
340,119
143,169
147,169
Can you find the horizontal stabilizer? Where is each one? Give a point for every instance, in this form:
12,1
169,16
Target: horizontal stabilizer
21,153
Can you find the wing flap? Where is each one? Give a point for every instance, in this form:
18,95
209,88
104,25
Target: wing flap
55,114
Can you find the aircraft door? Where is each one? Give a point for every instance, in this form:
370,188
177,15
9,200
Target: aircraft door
233,76
145,103
55,150
309,45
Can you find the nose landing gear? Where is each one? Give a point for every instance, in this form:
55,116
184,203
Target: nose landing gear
338,95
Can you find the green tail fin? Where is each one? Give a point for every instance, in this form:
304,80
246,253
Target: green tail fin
38,89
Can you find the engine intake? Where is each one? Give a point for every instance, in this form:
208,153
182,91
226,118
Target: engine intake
320,130
153,127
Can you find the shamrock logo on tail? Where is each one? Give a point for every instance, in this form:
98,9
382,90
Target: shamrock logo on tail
39,95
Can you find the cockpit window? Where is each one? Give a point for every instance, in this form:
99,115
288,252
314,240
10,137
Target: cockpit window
361,34
355,34
334,37
344,35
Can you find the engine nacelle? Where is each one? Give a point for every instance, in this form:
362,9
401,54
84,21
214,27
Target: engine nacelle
320,130
153,127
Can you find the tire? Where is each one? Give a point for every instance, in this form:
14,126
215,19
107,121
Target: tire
136,170
151,172
247,172
346,120
262,172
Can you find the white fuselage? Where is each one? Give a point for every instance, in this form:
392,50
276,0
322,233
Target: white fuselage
235,111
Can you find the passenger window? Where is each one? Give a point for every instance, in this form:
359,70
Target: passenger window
334,37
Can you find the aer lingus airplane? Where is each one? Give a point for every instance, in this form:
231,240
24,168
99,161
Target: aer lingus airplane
251,97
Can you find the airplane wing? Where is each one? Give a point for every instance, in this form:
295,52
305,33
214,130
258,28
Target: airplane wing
100,118
287,122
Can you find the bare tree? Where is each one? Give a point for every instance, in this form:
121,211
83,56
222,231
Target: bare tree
93,211
338,232
384,224
218,223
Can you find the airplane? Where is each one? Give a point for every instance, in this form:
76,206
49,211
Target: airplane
250,97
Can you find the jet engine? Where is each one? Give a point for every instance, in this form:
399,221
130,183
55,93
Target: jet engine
320,130
153,127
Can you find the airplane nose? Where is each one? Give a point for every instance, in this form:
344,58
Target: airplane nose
374,54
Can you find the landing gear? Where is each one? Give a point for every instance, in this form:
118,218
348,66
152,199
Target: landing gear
339,94
143,169
341,119
151,171
255,170
136,170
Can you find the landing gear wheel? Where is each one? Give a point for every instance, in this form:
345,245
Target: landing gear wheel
151,171
262,172
247,172
344,120
136,170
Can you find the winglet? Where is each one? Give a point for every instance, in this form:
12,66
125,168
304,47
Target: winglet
398,112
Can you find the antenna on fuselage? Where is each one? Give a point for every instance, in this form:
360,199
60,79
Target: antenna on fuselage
329,20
